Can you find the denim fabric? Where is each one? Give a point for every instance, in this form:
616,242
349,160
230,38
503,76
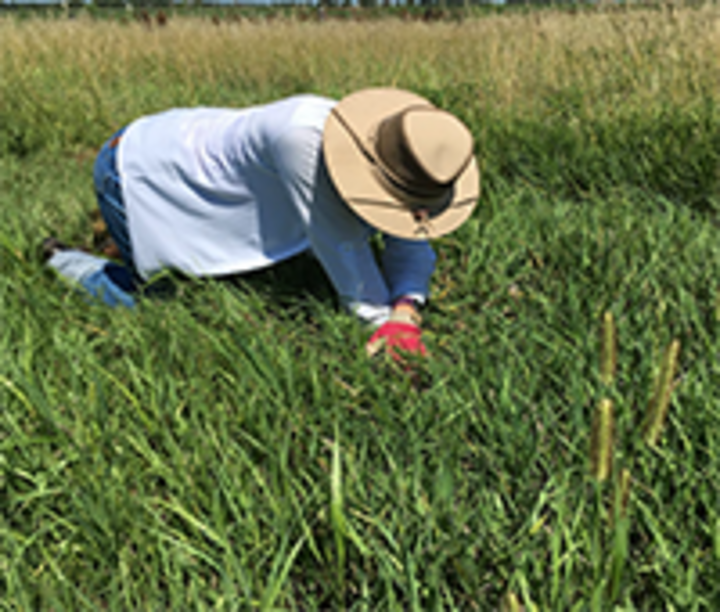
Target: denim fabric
113,283
109,196
100,285
110,282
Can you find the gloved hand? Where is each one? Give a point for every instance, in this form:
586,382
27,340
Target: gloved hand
396,337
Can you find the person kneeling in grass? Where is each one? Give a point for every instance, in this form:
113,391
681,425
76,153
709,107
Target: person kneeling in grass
214,192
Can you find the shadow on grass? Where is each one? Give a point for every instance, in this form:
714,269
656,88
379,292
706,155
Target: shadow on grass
287,284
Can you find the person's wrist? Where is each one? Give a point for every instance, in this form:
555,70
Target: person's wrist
405,310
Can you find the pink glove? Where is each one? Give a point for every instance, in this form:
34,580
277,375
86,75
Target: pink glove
394,335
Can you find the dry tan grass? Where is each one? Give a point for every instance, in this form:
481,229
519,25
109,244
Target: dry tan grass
511,61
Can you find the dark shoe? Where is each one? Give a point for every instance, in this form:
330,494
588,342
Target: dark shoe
50,246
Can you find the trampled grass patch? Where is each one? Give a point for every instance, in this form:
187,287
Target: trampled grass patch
230,446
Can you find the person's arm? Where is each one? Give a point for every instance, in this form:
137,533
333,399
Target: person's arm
339,239
408,266
337,236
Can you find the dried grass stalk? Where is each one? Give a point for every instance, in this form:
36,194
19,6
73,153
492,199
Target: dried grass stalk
601,440
608,349
511,603
660,400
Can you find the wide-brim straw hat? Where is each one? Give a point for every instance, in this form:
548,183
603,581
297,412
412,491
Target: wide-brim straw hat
402,164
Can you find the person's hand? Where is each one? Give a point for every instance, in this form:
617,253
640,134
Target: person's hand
400,334
396,337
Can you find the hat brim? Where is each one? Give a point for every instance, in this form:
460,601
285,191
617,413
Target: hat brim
354,175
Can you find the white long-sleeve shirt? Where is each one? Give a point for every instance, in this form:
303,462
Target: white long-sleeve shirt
212,191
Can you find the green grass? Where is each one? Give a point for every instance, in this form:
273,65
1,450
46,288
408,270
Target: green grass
231,447
216,450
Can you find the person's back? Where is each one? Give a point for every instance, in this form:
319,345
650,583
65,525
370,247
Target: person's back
211,191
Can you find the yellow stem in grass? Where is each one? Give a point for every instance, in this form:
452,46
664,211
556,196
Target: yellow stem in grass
660,400
510,603
601,441
624,485
608,349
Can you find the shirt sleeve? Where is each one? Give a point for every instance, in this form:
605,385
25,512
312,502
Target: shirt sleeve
408,266
340,239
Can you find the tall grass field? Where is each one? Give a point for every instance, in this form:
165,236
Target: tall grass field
231,447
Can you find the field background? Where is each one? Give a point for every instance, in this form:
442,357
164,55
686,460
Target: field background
232,448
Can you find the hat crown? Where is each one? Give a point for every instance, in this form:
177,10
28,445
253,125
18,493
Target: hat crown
440,143
423,148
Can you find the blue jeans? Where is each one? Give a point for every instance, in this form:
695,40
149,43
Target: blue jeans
109,196
113,283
